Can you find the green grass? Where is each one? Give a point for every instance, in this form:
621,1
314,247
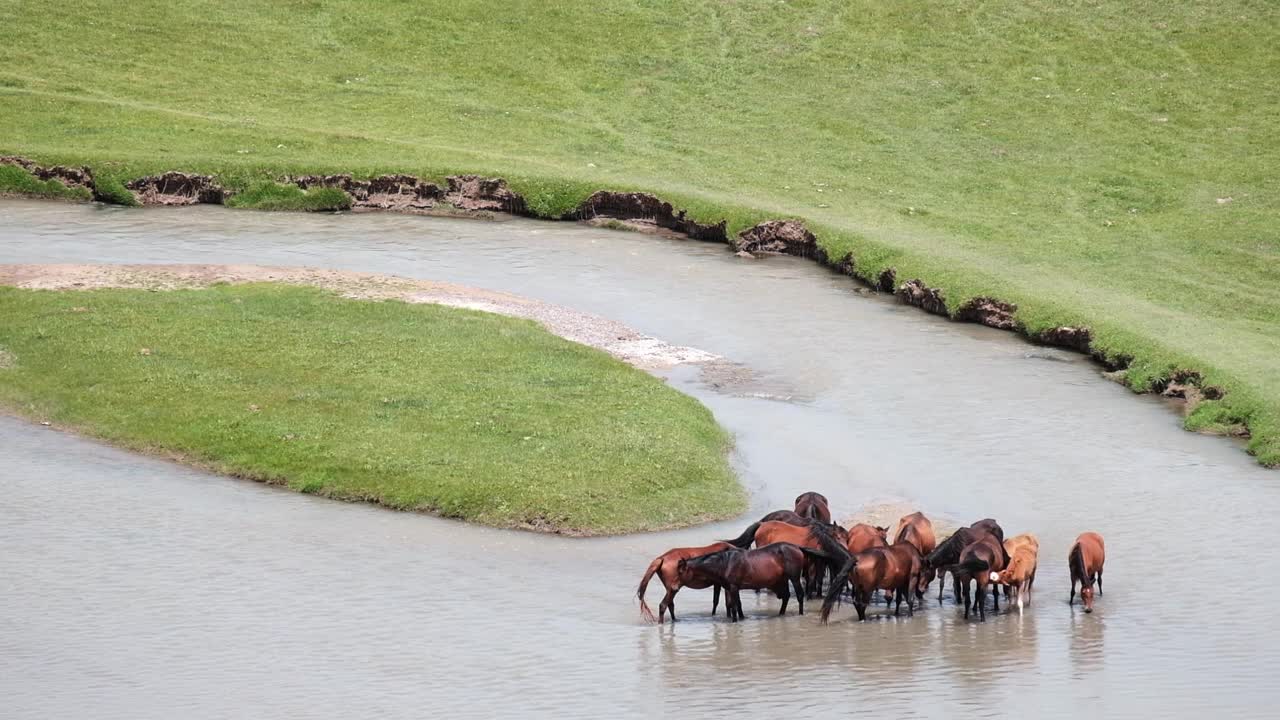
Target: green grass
17,181
1097,162
461,413
274,196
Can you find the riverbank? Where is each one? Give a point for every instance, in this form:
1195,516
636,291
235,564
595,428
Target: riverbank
988,151
411,405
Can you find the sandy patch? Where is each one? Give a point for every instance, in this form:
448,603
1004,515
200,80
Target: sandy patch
617,339
7,359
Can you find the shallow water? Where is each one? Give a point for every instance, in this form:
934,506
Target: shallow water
136,588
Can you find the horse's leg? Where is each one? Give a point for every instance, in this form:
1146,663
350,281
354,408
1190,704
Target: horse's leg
782,592
912,584
715,599
966,599
942,584
1072,600
955,587
981,600
1099,581
667,604
995,598
795,584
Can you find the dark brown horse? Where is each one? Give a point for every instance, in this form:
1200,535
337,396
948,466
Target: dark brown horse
790,516
894,569
813,505
944,558
665,567
772,567
1085,561
979,561
773,531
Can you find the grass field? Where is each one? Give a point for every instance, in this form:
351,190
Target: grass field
1104,163
421,407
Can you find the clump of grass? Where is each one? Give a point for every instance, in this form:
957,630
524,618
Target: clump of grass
275,196
17,181
109,189
420,407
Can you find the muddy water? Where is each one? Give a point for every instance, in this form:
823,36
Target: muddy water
134,588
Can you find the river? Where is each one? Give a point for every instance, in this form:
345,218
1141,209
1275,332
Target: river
131,587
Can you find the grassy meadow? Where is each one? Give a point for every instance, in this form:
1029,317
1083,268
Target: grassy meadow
1100,162
417,407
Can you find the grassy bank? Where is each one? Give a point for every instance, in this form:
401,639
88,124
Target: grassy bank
461,413
1101,163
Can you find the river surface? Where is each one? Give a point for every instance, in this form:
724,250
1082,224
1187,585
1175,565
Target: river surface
135,588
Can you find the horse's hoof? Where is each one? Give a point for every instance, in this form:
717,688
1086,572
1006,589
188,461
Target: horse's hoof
1088,610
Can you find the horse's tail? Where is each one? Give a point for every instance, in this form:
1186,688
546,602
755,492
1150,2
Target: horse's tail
811,511
645,613
747,537
1075,561
837,587
975,565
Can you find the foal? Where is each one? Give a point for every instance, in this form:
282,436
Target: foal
1085,561
1020,574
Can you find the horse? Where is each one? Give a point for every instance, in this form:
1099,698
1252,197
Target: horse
979,560
944,558
771,567
772,531
893,568
864,537
813,505
1020,573
917,530
1085,561
665,567
1015,542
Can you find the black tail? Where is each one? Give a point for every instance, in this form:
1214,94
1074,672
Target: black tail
975,565
747,537
1076,563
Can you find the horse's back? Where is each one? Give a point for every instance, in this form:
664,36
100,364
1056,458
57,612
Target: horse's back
1093,549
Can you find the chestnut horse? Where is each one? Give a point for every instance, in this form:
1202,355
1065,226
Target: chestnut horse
813,505
917,530
864,537
979,561
665,567
771,567
772,531
1020,574
895,569
1085,561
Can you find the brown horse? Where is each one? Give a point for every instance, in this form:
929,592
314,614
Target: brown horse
1020,574
813,505
944,558
894,569
773,531
863,537
917,530
1085,560
980,559
771,567
665,567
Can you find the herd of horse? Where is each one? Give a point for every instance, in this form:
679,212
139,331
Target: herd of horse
797,551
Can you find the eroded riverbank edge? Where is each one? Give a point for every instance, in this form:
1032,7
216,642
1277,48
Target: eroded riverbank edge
485,197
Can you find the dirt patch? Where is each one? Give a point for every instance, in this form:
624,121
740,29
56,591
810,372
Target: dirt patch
177,188
72,177
887,513
915,292
990,312
642,209
395,193
8,360
1075,338
472,192
619,340
783,237
887,280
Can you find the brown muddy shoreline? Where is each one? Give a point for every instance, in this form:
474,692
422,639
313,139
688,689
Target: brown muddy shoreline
476,196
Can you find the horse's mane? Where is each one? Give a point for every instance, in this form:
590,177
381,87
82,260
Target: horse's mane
948,551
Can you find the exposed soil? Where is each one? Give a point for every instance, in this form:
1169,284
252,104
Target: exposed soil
72,177
396,193
915,292
1076,338
642,209
990,312
617,339
472,192
784,237
177,188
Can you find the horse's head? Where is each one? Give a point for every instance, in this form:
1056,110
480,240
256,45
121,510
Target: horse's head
883,532
1086,596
